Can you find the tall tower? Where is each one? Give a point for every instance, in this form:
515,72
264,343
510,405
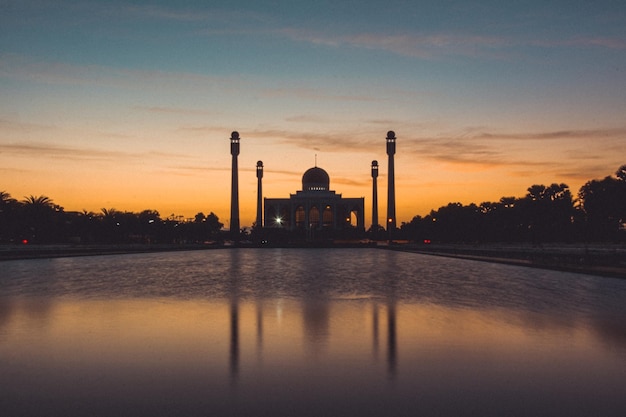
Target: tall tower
234,188
259,194
374,196
391,187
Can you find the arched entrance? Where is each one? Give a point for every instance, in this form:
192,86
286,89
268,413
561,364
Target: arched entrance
300,217
314,218
327,217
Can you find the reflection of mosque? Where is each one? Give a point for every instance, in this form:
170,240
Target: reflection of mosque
315,207
316,322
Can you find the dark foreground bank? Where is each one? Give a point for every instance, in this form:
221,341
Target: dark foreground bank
603,260
14,252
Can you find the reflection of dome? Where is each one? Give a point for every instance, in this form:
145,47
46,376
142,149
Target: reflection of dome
315,179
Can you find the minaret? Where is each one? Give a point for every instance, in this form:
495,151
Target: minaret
234,189
374,196
391,187
259,192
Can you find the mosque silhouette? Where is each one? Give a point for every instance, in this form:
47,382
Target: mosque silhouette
315,207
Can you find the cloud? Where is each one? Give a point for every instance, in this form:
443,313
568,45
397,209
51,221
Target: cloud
582,42
619,132
484,149
437,45
349,182
317,94
43,150
190,15
175,111
307,118
343,141
22,67
13,125
60,152
426,46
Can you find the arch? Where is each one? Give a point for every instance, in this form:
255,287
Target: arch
354,218
328,217
300,216
314,217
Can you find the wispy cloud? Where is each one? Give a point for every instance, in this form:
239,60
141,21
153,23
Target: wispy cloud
61,152
190,15
352,141
26,68
437,45
175,111
582,42
479,147
414,45
30,69
618,132
75,153
317,94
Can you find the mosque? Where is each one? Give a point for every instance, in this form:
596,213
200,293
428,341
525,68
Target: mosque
315,207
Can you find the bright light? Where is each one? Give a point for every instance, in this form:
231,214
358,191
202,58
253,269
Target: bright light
278,220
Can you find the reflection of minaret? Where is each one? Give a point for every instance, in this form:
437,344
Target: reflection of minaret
234,339
259,194
374,196
233,290
391,187
375,329
259,328
392,348
234,189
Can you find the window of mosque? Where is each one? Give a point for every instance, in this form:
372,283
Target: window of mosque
314,217
300,216
327,217
352,219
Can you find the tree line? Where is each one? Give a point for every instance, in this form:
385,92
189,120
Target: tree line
545,214
37,219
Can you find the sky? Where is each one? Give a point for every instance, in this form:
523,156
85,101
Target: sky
130,104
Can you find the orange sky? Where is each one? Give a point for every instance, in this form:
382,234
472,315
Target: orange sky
130,106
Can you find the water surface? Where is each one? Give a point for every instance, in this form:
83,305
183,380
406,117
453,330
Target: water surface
307,332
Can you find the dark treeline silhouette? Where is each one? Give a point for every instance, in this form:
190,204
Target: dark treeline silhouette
40,220
544,214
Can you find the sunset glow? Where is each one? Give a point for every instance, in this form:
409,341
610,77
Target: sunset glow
130,104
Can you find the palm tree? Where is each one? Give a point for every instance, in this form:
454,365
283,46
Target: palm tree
6,199
40,201
9,224
42,217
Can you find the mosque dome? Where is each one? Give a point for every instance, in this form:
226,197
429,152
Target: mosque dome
315,179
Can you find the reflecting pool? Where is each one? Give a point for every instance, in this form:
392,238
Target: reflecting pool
307,332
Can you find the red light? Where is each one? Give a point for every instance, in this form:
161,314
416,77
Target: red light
427,241
25,241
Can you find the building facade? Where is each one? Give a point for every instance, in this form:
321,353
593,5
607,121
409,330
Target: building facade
315,207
